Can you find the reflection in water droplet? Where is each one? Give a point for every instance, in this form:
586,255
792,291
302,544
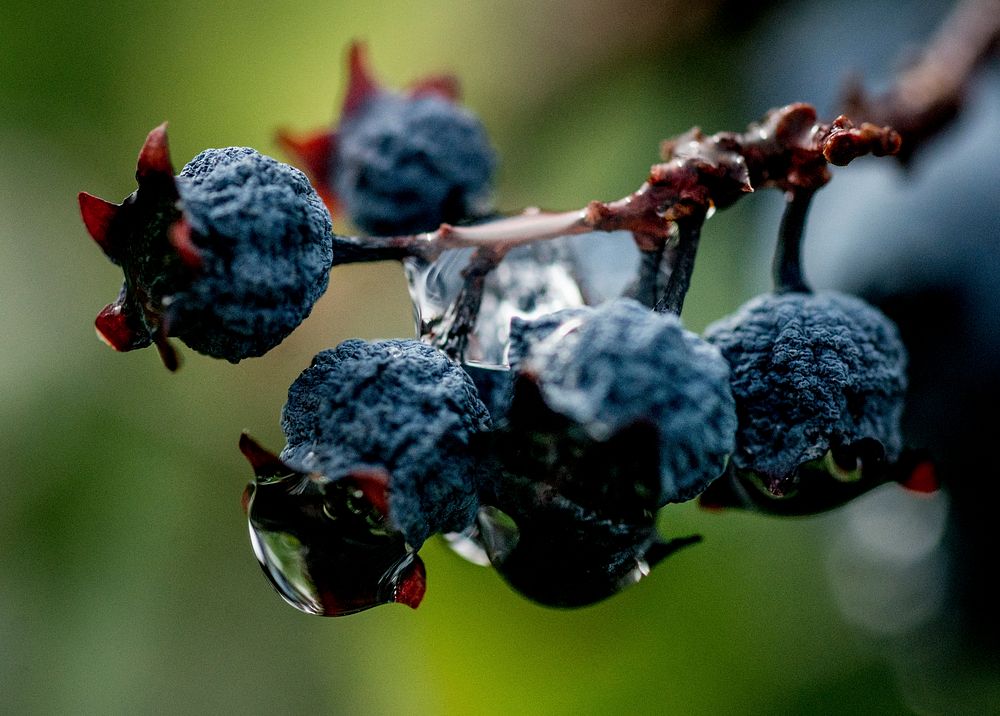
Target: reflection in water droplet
560,554
326,549
466,545
531,281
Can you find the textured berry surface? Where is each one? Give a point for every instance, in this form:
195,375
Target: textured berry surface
811,372
264,238
398,405
407,164
609,368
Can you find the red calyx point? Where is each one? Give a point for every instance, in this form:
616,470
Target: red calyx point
179,235
444,86
113,329
315,151
412,584
264,462
98,216
361,83
154,157
922,479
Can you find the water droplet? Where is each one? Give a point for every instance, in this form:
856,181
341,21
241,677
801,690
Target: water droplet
531,281
557,553
467,545
325,547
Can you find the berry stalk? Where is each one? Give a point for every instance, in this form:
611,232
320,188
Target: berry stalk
787,266
682,260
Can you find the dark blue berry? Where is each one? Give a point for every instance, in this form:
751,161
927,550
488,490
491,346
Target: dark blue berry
400,162
264,237
819,381
398,406
620,364
569,521
615,411
230,256
407,164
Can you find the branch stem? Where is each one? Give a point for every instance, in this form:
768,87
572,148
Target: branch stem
688,235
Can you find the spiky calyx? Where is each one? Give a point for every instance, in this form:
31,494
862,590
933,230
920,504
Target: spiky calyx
328,546
230,256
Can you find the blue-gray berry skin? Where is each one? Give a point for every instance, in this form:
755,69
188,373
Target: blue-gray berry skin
612,367
264,240
397,405
407,164
812,374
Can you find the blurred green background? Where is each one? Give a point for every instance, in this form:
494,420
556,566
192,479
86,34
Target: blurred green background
127,583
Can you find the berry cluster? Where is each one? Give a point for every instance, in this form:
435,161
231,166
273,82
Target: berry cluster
541,428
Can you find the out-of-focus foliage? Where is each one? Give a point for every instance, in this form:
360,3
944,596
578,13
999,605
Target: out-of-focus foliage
127,582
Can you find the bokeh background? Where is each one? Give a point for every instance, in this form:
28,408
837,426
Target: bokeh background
127,583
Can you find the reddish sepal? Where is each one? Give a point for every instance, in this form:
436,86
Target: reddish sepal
98,216
314,150
115,328
361,84
412,584
264,462
922,478
154,157
179,235
168,354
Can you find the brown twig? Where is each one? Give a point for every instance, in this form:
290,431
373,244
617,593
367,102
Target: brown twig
788,150
452,335
929,95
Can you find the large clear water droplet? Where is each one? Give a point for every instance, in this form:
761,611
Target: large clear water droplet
531,281
325,547
556,553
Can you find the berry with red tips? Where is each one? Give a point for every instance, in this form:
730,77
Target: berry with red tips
819,381
401,162
229,256
380,455
400,406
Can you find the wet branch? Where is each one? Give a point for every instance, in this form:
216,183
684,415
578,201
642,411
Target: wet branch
688,235
788,150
